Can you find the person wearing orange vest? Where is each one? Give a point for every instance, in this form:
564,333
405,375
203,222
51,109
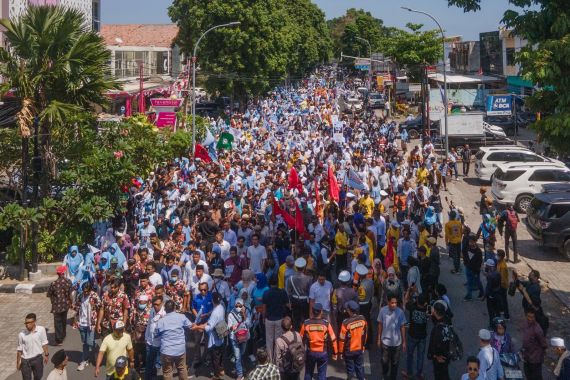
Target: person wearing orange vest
316,332
352,340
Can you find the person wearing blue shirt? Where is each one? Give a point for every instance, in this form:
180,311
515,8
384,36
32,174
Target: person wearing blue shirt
202,307
406,248
215,342
168,268
170,330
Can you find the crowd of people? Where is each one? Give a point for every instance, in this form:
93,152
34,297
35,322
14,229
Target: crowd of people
289,246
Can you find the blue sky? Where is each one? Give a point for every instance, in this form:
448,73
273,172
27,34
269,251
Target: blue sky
453,20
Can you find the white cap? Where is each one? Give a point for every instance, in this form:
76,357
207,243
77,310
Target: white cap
119,325
383,193
490,263
350,195
205,203
344,276
361,270
143,297
557,342
484,334
300,262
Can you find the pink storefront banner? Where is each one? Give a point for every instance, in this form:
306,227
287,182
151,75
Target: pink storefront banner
158,102
166,119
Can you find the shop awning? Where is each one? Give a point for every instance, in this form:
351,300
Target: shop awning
518,81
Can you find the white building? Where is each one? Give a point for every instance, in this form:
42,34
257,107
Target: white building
13,9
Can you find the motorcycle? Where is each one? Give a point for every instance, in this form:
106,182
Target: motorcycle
511,367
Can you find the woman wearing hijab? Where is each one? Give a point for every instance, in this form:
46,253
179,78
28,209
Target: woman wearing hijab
73,260
486,230
391,286
430,221
107,240
116,252
246,284
126,245
239,323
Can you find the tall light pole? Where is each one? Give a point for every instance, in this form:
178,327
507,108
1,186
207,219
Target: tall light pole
370,68
194,77
445,103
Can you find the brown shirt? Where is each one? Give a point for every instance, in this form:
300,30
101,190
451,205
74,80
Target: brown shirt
59,293
534,343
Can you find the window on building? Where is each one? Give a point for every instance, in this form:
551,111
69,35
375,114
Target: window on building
510,53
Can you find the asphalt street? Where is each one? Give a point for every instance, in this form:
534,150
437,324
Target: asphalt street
469,316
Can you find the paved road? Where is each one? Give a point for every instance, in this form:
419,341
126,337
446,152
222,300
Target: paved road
469,316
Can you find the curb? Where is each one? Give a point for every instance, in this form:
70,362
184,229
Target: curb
25,288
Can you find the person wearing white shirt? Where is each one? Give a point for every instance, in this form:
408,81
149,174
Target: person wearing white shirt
317,228
190,268
490,367
256,254
32,352
223,244
152,341
200,277
320,292
153,277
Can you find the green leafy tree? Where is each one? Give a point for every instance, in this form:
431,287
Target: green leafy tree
58,67
413,48
544,61
356,23
275,38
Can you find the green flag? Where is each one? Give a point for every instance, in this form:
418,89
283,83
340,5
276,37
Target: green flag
225,141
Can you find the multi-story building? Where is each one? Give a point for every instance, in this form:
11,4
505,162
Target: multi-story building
465,57
91,9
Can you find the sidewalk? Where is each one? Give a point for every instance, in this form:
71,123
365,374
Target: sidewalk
26,287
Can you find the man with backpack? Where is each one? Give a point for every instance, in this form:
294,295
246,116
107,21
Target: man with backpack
289,352
352,339
508,222
317,333
443,344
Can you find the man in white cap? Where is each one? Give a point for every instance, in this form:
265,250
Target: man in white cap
490,363
297,287
562,369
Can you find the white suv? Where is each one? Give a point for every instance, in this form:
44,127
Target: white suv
489,157
518,182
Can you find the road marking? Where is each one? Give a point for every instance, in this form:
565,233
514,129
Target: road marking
367,369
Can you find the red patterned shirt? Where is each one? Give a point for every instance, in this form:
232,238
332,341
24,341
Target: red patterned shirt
113,308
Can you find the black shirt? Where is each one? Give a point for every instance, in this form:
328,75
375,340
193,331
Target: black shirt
275,301
418,320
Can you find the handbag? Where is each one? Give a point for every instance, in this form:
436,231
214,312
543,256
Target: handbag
242,333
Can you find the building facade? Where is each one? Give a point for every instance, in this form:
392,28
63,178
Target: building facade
465,57
91,9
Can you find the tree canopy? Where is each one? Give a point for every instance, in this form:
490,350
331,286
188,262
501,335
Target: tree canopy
544,61
275,39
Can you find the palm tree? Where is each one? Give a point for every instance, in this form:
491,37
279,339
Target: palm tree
57,66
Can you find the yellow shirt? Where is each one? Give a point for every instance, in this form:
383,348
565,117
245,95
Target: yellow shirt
367,205
281,276
341,240
115,347
423,237
393,232
422,175
453,232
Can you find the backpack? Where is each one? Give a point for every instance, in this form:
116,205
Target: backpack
455,345
512,220
294,360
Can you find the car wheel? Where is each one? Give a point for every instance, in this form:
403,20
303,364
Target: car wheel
522,202
413,134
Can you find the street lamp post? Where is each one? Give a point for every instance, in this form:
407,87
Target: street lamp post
194,77
370,68
445,103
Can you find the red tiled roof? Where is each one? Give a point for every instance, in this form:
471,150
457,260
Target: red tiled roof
159,35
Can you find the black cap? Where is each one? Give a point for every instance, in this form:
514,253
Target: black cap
58,357
317,307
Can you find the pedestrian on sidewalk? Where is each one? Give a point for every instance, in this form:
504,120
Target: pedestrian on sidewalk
473,258
466,158
438,349
508,222
534,347
32,352
391,337
453,237
60,295
86,310
59,360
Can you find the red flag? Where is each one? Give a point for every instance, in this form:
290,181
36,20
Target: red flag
299,223
277,210
317,200
202,153
294,181
333,185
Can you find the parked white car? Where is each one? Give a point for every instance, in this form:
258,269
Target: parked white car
517,183
488,158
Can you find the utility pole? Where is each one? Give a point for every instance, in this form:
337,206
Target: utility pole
141,88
